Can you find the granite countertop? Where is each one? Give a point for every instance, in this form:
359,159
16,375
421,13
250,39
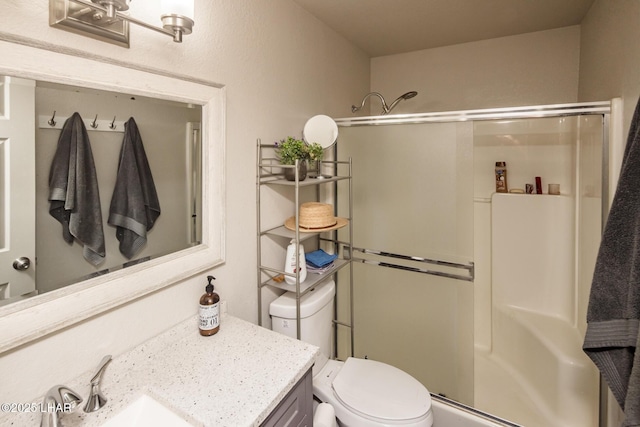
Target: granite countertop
234,378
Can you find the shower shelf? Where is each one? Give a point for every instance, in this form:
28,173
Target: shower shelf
270,175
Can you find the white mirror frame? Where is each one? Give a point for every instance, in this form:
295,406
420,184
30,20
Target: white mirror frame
30,319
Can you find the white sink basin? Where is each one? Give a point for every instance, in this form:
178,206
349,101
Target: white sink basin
145,411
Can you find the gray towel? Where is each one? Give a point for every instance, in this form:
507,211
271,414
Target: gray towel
73,190
134,204
613,315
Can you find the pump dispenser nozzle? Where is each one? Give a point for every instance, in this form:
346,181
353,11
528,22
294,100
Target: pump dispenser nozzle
209,313
210,286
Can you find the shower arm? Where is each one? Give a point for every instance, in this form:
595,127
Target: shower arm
385,109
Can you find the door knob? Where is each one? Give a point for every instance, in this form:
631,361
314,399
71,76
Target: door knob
22,263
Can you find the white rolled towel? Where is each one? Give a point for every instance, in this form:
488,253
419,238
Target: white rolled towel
324,416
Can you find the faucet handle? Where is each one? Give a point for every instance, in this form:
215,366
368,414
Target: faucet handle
96,400
101,367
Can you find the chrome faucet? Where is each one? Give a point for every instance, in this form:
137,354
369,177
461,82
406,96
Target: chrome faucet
96,400
58,400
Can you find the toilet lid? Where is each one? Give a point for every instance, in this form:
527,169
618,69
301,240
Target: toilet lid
378,390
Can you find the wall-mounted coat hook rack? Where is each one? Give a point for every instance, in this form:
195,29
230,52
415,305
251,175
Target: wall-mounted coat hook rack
47,122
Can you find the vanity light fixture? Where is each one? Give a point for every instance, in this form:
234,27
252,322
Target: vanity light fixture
107,20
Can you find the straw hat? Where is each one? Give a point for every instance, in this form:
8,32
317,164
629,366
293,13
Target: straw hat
316,217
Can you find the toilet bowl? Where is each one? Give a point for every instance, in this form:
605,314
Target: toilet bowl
369,393
362,392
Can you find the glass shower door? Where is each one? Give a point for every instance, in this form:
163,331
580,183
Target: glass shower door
413,251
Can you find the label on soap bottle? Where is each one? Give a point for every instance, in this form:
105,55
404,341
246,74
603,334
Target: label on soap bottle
209,316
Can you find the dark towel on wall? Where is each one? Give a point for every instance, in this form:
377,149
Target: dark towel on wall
613,315
134,204
73,190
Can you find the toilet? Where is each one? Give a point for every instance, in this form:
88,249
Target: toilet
362,392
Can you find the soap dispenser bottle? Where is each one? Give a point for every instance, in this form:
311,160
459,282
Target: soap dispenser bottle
209,312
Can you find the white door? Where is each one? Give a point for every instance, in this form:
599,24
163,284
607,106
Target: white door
17,187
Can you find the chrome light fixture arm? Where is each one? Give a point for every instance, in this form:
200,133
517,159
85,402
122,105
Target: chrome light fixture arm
103,14
173,25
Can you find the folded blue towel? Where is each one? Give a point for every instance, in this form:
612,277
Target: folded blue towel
319,258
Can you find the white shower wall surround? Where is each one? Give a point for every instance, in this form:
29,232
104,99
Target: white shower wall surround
534,308
532,248
508,344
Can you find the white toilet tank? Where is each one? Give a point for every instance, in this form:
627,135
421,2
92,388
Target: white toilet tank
316,316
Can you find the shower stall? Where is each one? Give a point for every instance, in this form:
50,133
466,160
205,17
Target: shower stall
480,295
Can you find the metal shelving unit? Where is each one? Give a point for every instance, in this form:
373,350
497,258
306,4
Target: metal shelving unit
270,173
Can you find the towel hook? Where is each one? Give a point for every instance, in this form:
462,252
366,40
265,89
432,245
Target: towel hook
113,125
95,124
51,121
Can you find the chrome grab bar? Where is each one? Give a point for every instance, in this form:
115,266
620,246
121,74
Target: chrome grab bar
470,268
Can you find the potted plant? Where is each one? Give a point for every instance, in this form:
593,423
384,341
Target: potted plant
290,149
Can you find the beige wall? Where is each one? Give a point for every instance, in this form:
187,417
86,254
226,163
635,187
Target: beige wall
280,66
610,54
529,69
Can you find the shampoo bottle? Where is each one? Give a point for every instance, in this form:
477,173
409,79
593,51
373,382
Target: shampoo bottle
290,263
209,312
501,177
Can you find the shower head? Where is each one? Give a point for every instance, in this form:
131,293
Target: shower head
385,109
409,95
404,96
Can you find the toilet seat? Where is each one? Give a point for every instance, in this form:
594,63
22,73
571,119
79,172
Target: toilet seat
380,392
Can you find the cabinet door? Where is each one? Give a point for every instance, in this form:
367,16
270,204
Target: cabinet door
296,409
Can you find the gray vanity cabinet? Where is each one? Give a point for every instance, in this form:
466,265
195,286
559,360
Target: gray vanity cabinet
296,409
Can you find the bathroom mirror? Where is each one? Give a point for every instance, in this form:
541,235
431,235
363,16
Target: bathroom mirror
203,105
170,136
